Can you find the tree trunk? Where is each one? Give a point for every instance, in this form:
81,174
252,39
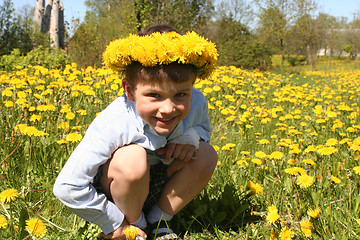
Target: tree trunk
61,26
54,25
45,25
39,13
311,58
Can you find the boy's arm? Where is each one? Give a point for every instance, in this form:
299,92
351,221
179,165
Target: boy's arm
74,187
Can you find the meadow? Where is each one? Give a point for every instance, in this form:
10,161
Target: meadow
288,147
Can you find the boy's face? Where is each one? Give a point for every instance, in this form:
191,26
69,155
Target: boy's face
161,104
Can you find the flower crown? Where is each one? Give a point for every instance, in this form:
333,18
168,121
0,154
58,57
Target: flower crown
162,48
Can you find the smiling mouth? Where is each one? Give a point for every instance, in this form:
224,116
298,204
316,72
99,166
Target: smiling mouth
165,121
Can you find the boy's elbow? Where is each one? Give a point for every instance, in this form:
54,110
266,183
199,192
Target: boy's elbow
60,191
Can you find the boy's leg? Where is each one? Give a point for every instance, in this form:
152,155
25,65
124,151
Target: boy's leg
187,179
125,179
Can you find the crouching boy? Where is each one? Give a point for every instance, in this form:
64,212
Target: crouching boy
147,155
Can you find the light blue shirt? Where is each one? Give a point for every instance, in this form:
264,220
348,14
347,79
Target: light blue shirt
117,125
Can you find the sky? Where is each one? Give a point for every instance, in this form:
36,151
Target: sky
337,8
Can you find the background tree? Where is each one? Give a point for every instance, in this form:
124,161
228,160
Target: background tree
15,30
49,18
351,36
236,45
273,24
303,35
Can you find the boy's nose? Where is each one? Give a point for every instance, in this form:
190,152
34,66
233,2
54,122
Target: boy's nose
167,107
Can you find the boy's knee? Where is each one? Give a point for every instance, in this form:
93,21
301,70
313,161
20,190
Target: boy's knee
130,162
207,157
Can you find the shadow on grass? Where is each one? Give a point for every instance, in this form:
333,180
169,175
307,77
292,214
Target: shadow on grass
227,211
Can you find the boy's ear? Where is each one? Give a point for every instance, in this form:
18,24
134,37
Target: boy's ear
128,90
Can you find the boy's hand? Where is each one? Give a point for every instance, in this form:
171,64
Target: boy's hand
118,234
184,152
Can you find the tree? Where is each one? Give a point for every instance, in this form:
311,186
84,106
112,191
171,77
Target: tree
237,47
49,18
352,36
15,30
273,24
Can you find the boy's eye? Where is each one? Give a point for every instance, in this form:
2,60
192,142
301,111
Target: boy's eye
154,95
180,95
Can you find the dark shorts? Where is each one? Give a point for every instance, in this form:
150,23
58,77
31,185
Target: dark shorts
158,178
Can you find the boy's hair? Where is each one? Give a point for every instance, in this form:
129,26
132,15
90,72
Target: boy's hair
176,72
161,28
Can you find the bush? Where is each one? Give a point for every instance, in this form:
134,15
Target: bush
44,56
247,54
295,61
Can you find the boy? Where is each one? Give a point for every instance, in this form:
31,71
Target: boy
147,154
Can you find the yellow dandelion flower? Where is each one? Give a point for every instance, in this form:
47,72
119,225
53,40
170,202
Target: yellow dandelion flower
255,188
286,233
306,226
276,155
335,179
9,195
305,181
331,142
264,141
216,147
291,161
70,115
245,152
35,227
256,161
82,112
309,161
73,137
314,213
35,118
8,104
326,151
273,214
63,125
3,222
62,141
131,232
358,221
310,148
260,154
295,171
357,170
229,147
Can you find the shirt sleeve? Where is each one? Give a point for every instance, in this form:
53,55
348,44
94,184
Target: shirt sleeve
73,186
199,115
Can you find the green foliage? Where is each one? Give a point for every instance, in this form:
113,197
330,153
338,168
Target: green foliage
45,56
295,61
347,48
15,30
238,48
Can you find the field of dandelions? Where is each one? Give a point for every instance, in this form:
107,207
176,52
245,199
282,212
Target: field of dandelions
288,147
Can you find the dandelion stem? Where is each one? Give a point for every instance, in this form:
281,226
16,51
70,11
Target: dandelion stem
2,205
11,152
46,220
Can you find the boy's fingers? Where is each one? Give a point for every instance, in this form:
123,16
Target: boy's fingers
169,151
161,151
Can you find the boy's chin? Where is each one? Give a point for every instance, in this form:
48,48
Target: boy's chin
160,130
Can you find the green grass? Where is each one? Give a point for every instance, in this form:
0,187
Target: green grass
248,107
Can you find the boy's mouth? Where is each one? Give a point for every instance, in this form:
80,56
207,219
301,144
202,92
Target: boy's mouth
165,121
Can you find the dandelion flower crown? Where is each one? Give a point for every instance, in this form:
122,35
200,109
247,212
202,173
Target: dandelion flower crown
162,48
